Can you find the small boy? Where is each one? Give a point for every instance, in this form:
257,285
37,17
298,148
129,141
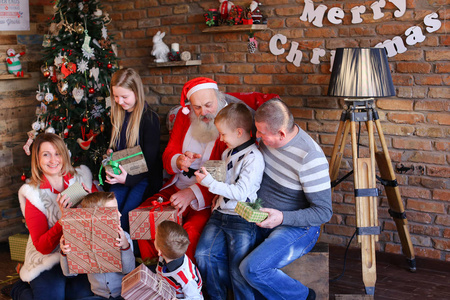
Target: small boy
171,242
104,285
227,238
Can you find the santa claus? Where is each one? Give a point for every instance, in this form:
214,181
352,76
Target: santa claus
194,140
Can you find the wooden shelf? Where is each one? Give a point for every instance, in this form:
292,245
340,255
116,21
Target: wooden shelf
235,28
12,76
177,63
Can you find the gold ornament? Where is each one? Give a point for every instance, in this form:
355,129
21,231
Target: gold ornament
79,29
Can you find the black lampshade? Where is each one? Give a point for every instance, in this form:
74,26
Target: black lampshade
361,73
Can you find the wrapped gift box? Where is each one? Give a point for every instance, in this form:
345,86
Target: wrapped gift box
75,192
133,165
249,213
143,221
217,169
141,283
91,234
17,246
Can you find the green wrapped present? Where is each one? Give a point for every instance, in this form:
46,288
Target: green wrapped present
17,246
250,212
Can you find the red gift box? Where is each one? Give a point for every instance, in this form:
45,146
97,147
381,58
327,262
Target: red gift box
91,234
143,221
141,283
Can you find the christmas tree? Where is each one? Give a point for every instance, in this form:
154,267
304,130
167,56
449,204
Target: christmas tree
79,59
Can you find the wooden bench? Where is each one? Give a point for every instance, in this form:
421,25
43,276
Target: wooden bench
312,270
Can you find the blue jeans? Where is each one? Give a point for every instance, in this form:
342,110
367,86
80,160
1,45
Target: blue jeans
282,245
52,285
128,198
225,241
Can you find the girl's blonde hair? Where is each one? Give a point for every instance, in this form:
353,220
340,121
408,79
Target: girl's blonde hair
128,79
58,143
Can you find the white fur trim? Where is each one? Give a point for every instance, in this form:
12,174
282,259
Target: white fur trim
199,197
202,86
185,110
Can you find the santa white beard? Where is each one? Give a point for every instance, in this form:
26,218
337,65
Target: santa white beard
202,131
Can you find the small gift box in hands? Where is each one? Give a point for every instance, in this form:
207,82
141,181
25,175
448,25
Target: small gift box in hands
131,159
250,211
217,169
91,234
75,192
143,221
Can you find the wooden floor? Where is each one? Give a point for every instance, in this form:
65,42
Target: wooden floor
394,281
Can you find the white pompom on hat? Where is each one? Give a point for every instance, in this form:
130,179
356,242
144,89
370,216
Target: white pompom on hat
194,85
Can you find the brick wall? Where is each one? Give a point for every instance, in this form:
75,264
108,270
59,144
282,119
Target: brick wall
415,122
17,112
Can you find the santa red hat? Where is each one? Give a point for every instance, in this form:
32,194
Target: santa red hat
194,85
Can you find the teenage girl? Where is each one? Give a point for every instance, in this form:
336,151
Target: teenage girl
133,123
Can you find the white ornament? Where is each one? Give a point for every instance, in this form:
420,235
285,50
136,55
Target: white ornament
104,32
82,66
58,60
94,73
39,96
50,130
98,13
42,124
48,97
108,101
36,126
78,94
87,40
88,55
114,49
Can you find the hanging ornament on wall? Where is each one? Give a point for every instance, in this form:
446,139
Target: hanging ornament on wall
252,44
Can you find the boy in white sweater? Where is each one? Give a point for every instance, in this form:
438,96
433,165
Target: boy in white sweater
227,238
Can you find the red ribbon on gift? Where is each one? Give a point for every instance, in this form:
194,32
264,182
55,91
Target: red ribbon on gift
156,204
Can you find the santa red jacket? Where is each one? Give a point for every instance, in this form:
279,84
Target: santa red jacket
175,148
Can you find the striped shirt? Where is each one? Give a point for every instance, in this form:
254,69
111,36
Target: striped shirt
186,279
296,181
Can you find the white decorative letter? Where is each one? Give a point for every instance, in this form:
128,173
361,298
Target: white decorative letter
356,14
309,14
335,15
376,8
401,5
393,46
414,35
273,44
317,52
432,21
294,54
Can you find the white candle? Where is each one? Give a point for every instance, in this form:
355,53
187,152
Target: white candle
175,47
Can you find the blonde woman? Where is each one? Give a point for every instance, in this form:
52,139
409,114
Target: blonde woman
133,123
42,204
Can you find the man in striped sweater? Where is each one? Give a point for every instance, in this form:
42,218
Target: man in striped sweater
296,193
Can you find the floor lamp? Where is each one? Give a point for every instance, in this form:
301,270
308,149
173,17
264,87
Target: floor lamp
360,75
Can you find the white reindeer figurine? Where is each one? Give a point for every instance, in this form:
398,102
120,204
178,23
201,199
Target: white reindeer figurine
160,49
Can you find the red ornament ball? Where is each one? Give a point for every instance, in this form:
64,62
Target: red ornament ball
69,126
23,177
85,120
46,73
91,90
109,66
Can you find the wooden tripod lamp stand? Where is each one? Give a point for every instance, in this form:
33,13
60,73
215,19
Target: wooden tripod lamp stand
359,76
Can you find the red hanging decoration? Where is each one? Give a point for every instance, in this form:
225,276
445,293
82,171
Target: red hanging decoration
23,177
91,90
109,66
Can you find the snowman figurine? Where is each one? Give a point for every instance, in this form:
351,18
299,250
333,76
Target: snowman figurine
13,62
